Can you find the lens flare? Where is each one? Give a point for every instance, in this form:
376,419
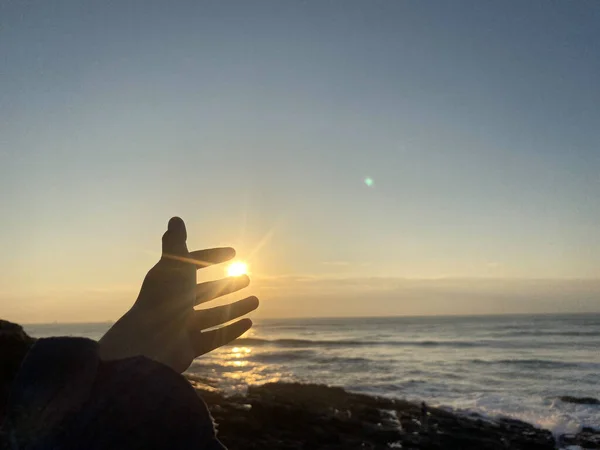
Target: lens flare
236,269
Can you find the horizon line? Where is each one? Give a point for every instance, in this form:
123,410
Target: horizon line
395,316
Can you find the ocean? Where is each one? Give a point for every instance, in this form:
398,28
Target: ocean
514,366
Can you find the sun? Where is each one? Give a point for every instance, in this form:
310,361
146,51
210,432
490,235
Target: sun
237,268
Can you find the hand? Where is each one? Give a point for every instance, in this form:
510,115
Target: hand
163,324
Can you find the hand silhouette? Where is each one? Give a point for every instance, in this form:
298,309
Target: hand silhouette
163,324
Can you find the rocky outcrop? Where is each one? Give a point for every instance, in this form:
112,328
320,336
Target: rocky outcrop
587,438
580,400
305,416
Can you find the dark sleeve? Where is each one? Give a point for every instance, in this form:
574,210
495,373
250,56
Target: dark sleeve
65,398
14,345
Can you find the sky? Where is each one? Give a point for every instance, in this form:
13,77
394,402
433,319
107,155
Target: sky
258,123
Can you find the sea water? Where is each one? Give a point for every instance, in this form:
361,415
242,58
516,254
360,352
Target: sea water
515,366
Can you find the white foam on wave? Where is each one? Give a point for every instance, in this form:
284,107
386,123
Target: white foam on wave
556,416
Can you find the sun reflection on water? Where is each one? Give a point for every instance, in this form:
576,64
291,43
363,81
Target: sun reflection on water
234,368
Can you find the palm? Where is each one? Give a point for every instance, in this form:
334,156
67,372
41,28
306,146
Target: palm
163,324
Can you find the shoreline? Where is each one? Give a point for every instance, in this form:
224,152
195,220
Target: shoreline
297,416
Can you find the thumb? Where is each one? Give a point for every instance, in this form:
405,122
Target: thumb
173,241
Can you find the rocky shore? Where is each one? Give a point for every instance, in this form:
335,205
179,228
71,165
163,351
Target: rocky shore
284,416
306,416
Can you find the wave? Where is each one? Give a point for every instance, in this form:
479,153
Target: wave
281,357
540,333
538,363
487,343
298,343
309,357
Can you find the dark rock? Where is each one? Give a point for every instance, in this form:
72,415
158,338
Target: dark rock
587,438
308,416
580,400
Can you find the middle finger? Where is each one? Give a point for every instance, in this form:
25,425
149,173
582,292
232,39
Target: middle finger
212,289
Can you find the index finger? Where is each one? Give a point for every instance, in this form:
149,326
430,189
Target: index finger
204,258
208,257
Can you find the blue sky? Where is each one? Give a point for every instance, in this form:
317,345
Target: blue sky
257,122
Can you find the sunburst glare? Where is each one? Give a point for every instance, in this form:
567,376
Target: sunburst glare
237,268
